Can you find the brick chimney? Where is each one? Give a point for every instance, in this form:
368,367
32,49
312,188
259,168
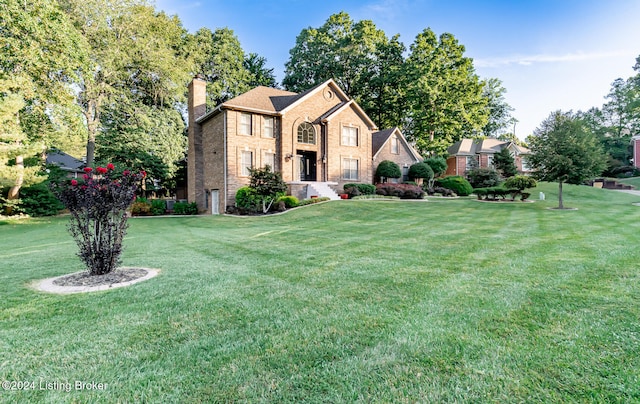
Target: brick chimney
196,107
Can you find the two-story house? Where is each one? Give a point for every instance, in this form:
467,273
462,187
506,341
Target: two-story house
314,139
467,154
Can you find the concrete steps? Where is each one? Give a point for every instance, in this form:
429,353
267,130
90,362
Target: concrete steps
322,189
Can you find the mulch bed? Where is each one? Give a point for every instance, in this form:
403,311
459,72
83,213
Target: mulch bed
120,275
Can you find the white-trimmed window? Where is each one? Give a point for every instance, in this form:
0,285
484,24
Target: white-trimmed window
269,159
472,162
246,162
490,160
306,133
245,124
349,136
395,147
268,127
350,169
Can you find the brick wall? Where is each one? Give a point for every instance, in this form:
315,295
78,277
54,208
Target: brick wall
404,157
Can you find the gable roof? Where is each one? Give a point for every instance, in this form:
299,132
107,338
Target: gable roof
64,161
379,139
273,101
469,147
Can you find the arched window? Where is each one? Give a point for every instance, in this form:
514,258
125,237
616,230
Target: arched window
306,133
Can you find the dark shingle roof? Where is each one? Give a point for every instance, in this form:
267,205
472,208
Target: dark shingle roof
64,161
378,139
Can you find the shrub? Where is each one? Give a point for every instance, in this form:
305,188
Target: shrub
402,191
457,184
375,197
520,182
38,200
364,189
420,170
247,199
289,201
483,178
268,186
493,193
313,200
388,169
98,208
185,208
141,207
158,207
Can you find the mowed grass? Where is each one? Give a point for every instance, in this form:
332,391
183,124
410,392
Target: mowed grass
347,301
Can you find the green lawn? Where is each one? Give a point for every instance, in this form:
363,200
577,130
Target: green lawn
347,301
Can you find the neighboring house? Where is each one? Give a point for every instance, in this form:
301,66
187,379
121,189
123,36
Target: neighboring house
468,154
390,144
635,142
315,139
67,163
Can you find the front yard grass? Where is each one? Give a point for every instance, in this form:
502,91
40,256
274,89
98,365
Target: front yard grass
359,301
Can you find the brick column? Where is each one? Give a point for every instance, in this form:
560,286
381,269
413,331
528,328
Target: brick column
196,107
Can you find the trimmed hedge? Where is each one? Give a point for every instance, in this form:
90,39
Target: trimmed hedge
493,193
313,200
457,184
402,191
184,208
289,201
359,189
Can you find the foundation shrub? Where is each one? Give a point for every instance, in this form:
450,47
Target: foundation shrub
457,184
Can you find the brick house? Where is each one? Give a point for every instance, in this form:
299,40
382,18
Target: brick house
467,154
317,139
635,142
390,144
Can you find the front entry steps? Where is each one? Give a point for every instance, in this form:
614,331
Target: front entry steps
308,189
321,190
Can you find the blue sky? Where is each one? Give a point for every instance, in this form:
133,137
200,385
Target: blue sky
549,54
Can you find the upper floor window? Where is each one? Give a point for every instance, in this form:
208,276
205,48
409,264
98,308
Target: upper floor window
394,145
306,133
349,136
245,124
268,126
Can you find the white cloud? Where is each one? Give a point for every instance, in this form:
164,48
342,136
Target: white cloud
526,60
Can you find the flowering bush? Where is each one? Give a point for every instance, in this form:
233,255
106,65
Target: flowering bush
98,205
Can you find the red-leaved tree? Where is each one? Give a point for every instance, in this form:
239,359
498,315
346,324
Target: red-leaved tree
98,205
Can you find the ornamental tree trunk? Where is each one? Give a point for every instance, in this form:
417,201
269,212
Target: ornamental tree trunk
14,191
560,203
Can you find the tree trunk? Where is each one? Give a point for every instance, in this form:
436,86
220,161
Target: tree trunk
14,191
92,116
560,204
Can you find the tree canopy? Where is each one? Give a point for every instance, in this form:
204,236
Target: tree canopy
433,94
563,149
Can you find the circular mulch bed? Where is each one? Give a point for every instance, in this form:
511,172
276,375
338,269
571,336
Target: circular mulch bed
80,282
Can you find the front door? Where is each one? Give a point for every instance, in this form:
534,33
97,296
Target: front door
308,161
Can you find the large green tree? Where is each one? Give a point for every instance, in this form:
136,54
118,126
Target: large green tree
260,74
135,57
499,117
564,150
359,57
41,53
219,57
443,93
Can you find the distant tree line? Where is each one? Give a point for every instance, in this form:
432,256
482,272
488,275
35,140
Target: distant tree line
107,79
